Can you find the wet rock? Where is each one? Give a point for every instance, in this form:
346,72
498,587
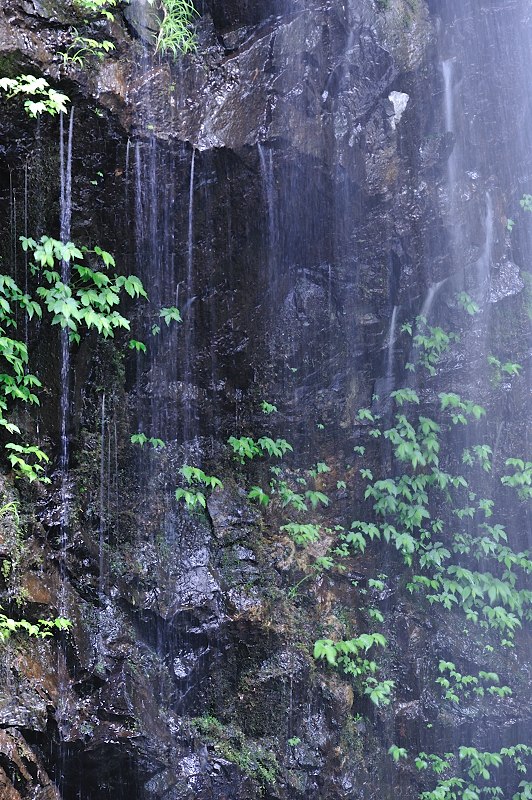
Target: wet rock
283,166
25,767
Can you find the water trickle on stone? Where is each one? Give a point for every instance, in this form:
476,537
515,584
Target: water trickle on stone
188,312
65,208
390,351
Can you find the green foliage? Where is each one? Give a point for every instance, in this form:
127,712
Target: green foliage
142,439
320,469
430,344
476,767
90,298
230,743
41,629
139,347
521,477
96,7
499,370
468,304
459,408
193,496
33,469
88,301
170,314
457,686
350,656
402,396
40,97
245,448
84,47
526,202
268,408
478,454
176,35
257,494
302,534
315,498
403,505
397,753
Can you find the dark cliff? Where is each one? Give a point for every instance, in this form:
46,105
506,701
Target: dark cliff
299,187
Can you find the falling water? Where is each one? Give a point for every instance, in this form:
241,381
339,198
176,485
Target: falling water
448,108
267,177
431,295
65,223
65,208
483,263
189,311
102,514
390,352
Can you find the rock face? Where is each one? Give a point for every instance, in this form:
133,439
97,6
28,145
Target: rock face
299,187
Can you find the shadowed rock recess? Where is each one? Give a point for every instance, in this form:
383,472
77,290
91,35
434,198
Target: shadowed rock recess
314,176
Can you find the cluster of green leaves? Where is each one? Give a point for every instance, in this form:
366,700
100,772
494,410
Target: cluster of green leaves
192,495
457,686
168,314
468,304
472,568
96,7
520,478
173,20
41,629
477,768
84,47
500,370
245,448
176,33
16,382
87,301
351,657
302,533
90,297
430,343
40,97
268,408
141,439
404,516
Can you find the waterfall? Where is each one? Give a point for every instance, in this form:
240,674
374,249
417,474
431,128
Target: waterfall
430,297
282,189
448,106
267,177
102,504
389,381
483,263
189,311
65,219
65,208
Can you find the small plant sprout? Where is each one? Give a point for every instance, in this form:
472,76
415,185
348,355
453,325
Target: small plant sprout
468,304
268,408
294,741
397,753
258,495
